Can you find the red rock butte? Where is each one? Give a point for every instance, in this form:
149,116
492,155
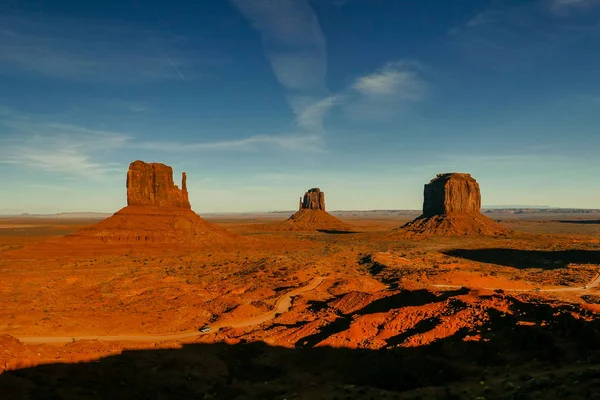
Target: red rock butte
157,212
452,206
152,185
314,199
312,216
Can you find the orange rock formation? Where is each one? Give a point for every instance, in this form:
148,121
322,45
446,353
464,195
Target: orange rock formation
152,185
451,206
157,212
312,215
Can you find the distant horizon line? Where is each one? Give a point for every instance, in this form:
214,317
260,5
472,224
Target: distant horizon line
483,208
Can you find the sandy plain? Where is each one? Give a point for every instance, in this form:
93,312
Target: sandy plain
308,315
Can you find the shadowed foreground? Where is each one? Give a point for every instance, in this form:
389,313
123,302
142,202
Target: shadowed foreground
523,259
512,361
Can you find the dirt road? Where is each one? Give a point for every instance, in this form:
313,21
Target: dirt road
282,305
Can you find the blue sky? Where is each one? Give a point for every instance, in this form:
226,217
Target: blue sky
260,100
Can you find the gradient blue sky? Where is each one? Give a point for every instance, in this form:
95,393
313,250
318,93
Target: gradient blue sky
260,100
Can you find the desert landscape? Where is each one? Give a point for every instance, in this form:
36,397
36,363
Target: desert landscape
158,302
299,199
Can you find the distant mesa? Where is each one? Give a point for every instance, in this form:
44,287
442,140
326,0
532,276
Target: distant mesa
157,212
312,216
452,206
314,199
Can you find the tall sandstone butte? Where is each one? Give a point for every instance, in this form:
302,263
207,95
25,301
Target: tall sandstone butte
451,193
312,216
152,185
451,206
157,212
313,199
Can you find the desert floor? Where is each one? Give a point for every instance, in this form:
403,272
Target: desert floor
304,315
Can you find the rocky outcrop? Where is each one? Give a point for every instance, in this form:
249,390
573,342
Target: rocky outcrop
151,184
451,193
313,199
157,212
312,216
451,206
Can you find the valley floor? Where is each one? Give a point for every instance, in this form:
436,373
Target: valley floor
307,315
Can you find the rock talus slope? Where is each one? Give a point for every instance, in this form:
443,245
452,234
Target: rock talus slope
157,212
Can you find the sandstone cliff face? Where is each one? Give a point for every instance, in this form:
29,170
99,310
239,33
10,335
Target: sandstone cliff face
314,199
451,206
451,193
152,185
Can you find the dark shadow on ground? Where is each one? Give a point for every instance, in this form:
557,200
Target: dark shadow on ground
374,268
512,361
336,232
523,259
422,326
580,221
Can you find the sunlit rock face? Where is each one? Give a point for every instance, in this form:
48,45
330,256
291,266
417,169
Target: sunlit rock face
151,184
451,193
314,199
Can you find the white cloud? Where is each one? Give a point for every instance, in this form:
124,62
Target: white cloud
396,80
310,113
64,153
310,143
292,38
295,47
28,141
56,147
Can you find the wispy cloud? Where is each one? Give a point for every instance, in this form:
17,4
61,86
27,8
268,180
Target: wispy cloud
30,141
63,153
396,80
295,46
82,51
311,143
293,41
386,92
175,68
56,147
310,114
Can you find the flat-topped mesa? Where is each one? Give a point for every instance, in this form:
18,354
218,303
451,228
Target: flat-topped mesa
451,193
151,184
451,206
314,199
